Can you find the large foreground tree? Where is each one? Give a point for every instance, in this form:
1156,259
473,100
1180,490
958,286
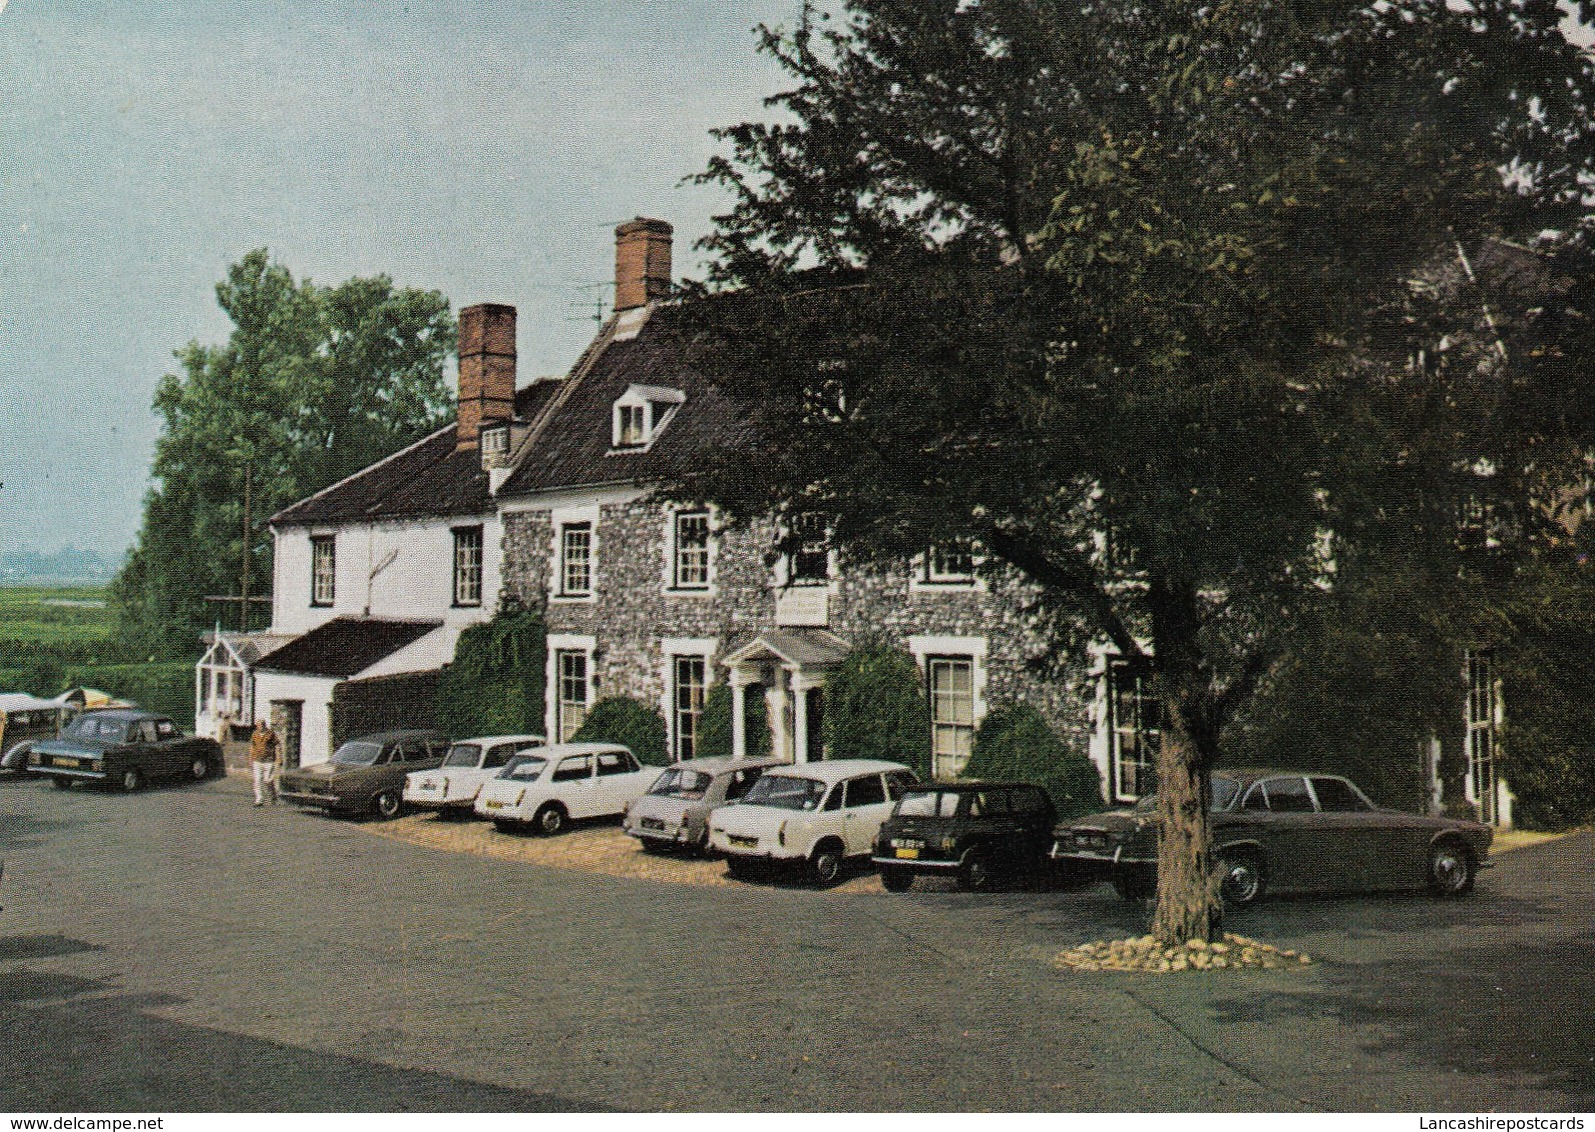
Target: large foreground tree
313,384
1171,306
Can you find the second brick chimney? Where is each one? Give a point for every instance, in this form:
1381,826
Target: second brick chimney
642,262
487,370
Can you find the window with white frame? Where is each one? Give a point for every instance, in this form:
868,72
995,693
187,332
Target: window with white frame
1482,731
690,562
951,681
571,674
323,569
809,560
1135,728
950,563
467,566
495,442
576,560
641,414
689,677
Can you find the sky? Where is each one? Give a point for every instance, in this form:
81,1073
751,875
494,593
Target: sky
485,149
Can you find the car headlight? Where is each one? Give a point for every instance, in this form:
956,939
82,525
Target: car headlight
99,764
947,844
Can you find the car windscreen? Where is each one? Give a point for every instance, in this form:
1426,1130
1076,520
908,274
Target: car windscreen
523,768
1220,795
102,730
929,804
679,782
357,754
463,754
785,792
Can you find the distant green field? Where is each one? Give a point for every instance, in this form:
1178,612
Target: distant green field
70,629
72,615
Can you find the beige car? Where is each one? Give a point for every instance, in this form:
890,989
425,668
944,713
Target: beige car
674,814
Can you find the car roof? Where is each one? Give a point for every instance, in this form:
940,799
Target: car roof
557,749
965,785
383,738
834,770
125,714
722,765
503,739
1246,775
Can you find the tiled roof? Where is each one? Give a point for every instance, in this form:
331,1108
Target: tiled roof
428,479
571,446
344,646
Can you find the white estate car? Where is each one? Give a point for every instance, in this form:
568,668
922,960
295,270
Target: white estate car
451,788
817,813
548,788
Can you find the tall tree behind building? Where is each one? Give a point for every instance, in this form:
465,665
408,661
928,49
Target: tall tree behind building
313,384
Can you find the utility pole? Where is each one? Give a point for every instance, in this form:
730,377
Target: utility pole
243,604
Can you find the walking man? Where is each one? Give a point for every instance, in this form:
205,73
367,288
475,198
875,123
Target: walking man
263,761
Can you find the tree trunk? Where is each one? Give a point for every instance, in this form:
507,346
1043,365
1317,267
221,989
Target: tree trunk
1188,901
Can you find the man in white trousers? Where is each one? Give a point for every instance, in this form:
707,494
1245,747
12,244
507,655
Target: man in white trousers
263,761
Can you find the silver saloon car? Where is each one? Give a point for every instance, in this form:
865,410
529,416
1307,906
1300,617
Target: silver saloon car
674,814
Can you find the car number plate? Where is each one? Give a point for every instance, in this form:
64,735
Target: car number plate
908,854
743,842
61,760
495,805
652,823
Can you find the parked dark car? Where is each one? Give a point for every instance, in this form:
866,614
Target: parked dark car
365,775
126,747
1287,831
976,832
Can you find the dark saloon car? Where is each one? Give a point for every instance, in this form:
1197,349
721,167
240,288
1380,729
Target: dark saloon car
1287,831
126,747
365,775
976,832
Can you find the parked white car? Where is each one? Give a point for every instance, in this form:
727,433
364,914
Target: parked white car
674,814
549,788
819,814
451,789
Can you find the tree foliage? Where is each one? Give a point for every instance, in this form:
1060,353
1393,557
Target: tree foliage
496,682
313,384
1015,744
875,708
629,722
1154,301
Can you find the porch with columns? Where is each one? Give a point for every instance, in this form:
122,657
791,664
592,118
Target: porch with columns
790,666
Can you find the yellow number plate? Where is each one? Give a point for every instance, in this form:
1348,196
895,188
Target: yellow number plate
908,854
495,805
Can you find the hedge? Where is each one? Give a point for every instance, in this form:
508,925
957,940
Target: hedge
875,708
714,725
495,685
632,723
1015,743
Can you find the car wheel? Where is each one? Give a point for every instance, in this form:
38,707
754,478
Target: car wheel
388,804
503,825
551,820
741,867
1134,884
199,768
1241,879
897,880
657,848
975,875
825,864
1451,870
62,782
132,779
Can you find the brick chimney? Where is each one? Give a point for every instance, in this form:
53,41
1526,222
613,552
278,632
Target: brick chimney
642,262
487,370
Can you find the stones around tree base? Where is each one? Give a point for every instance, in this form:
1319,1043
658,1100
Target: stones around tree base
1145,954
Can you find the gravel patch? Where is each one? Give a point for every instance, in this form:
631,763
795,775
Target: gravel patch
588,848
1143,954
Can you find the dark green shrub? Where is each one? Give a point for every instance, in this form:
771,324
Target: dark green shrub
495,684
1014,742
714,726
875,708
629,722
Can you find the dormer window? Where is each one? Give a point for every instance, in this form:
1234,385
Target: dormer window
641,414
495,442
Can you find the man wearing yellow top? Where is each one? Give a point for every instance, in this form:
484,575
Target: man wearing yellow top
263,762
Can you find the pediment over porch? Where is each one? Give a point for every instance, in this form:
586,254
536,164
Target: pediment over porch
797,649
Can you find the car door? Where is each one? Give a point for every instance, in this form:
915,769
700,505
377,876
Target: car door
147,752
864,807
1294,840
1351,836
575,784
619,781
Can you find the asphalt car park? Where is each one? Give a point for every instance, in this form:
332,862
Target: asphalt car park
179,949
